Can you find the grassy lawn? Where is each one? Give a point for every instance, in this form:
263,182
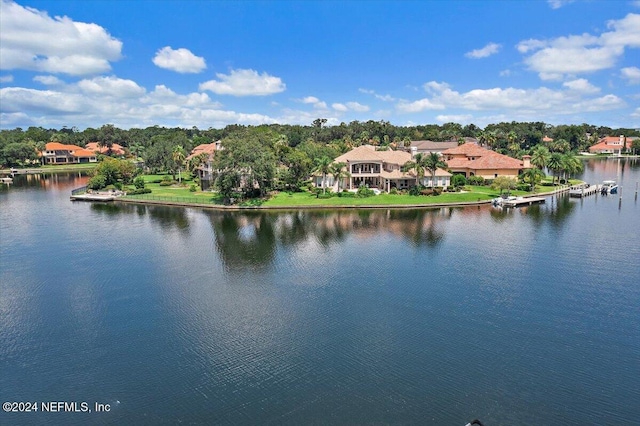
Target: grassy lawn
477,193
176,193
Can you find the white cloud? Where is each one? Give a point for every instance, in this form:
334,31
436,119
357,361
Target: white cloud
575,54
455,118
111,87
93,102
488,50
48,80
339,107
636,113
505,73
517,101
317,103
355,106
385,98
6,78
557,4
32,40
581,85
350,106
179,60
244,82
632,74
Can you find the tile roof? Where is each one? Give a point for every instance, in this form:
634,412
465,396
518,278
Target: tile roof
484,159
431,145
611,142
74,150
116,149
369,153
207,148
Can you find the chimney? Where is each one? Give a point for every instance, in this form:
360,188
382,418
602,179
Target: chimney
414,151
622,140
526,161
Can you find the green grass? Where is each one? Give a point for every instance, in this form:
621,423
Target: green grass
177,193
297,199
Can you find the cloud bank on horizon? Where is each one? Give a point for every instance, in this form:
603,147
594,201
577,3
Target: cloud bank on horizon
195,64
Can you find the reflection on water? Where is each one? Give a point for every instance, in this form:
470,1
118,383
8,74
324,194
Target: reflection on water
378,316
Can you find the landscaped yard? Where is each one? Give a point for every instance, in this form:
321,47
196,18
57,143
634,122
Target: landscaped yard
182,194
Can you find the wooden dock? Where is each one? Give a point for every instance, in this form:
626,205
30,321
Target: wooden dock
579,191
103,197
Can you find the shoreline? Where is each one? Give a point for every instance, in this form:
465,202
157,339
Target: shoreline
220,207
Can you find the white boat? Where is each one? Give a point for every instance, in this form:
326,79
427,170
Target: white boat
6,180
609,187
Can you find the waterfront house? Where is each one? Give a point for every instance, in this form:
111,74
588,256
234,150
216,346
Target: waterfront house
471,159
612,145
379,169
58,153
116,149
205,169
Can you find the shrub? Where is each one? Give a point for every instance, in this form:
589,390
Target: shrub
167,182
193,188
416,190
394,191
475,180
364,192
523,187
139,182
97,182
139,191
437,190
118,186
458,180
426,191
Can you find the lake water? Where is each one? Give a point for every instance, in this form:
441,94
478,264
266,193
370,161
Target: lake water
172,315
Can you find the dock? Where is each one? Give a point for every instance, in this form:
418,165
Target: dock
94,197
579,191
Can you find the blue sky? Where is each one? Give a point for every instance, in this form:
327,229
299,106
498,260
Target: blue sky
209,64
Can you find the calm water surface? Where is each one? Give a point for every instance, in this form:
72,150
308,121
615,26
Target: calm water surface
171,315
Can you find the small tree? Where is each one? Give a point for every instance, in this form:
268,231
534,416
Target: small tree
504,183
139,182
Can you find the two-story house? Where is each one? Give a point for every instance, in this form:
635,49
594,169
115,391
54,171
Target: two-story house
58,153
379,169
473,160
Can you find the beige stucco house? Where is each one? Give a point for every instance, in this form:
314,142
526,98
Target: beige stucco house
473,160
379,169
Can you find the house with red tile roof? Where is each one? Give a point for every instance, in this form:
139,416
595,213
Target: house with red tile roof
116,149
58,153
612,145
473,160
205,170
379,169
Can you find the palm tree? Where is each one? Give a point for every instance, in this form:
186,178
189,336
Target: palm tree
416,164
339,172
555,164
540,157
432,163
41,147
571,165
533,176
178,157
323,166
